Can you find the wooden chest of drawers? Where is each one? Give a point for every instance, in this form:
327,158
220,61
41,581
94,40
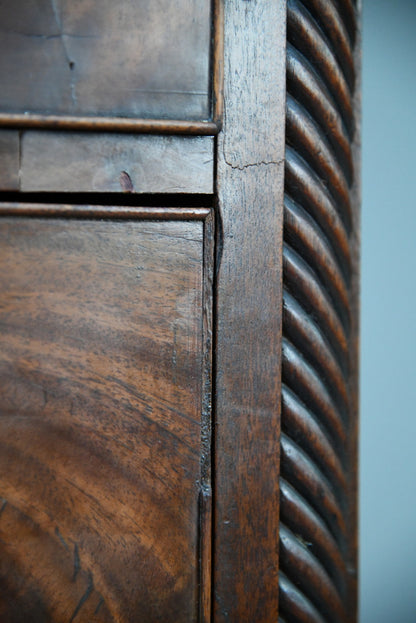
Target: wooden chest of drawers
178,311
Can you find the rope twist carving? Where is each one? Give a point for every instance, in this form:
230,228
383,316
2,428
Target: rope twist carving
318,224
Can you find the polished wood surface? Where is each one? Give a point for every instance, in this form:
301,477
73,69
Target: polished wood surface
178,414
111,59
9,159
36,161
102,367
120,212
248,353
82,162
318,526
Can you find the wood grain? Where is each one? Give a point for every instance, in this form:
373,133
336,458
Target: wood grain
319,394
103,384
110,509
108,124
79,162
124,59
250,195
9,159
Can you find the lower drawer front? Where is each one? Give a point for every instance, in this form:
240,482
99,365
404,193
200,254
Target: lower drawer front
101,374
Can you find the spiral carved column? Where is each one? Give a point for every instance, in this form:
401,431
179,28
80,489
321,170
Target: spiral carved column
317,512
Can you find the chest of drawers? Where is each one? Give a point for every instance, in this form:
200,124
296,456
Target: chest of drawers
178,249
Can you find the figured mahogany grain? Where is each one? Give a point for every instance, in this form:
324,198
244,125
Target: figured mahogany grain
101,361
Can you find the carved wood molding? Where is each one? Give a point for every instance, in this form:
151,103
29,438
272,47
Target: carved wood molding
317,523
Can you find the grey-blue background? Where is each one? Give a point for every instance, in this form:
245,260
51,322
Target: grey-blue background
388,322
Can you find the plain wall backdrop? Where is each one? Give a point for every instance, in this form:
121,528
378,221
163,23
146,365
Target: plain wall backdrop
388,318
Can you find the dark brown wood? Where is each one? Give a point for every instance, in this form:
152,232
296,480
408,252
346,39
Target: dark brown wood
9,160
101,124
179,443
104,396
247,415
127,59
80,162
205,555
218,64
318,527
203,65
206,506
97,211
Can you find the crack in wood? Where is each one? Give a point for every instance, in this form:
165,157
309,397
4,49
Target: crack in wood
84,597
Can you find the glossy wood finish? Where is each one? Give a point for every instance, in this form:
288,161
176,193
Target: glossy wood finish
104,401
107,124
249,473
247,416
125,59
120,212
82,162
319,371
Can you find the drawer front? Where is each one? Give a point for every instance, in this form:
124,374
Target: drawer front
119,59
103,364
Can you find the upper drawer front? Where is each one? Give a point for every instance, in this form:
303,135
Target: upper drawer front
130,58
